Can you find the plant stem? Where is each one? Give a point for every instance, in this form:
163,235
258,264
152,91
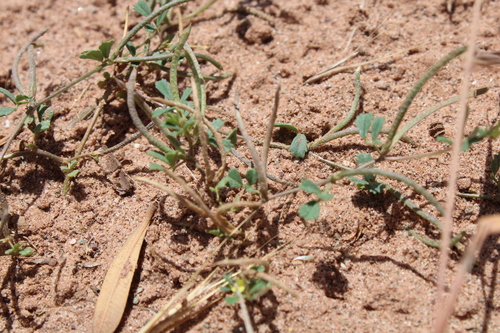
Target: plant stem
261,170
135,117
270,127
142,24
412,94
329,136
17,59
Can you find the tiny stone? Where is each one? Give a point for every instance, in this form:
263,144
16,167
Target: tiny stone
72,241
464,184
135,301
382,85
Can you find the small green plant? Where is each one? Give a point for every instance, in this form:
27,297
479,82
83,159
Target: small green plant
19,249
311,209
250,289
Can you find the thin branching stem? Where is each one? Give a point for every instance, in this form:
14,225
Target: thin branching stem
353,131
89,128
32,72
182,199
142,24
198,78
135,117
17,59
174,64
223,155
371,171
413,157
37,152
203,137
329,136
199,10
415,208
431,110
168,56
411,96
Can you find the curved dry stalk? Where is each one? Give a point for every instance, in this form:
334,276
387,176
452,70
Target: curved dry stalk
261,170
270,127
454,167
17,59
487,225
203,136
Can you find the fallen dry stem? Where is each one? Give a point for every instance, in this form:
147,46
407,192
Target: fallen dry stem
487,225
261,170
454,167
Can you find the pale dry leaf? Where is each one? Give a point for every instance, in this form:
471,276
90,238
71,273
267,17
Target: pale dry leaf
116,286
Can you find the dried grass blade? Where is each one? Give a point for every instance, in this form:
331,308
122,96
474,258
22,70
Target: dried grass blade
270,127
261,170
488,225
116,286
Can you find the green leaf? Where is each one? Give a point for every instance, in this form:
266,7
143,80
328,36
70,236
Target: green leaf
26,252
259,288
93,55
287,126
325,196
158,155
22,99
68,168
298,148
377,125
164,87
252,176
44,119
363,158
234,179
225,289
231,300
131,48
309,186
6,110
150,27
41,111
218,123
142,8
375,187
160,18
105,48
14,249
155,167
310,210
250,189
444,139
363,123
159,112
360,183
9,95
260,268
73,174
185,95
230,140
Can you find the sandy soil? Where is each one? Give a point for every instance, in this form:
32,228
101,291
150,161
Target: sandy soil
368,273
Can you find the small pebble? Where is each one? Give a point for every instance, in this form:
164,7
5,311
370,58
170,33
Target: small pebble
72,241
464,184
